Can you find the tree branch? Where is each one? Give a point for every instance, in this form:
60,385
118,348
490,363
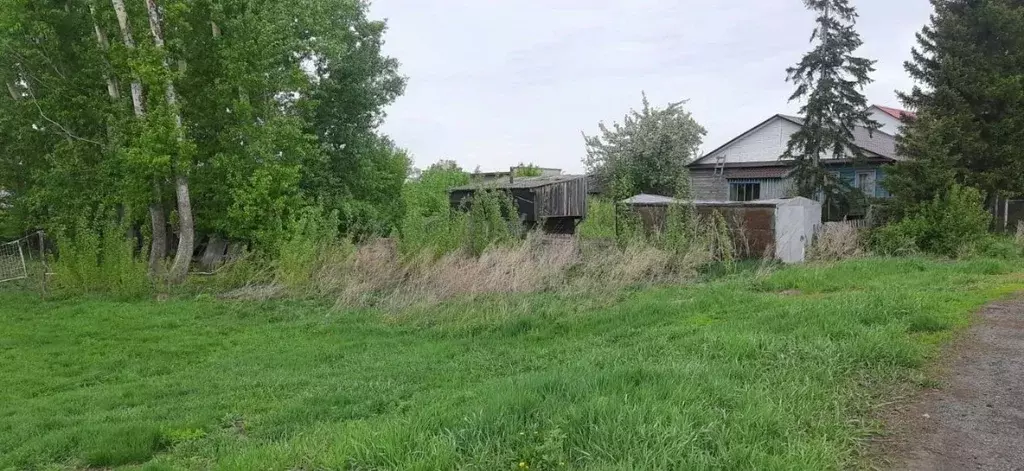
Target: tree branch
67,133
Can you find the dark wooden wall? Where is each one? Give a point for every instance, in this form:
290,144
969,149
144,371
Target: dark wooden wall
562,199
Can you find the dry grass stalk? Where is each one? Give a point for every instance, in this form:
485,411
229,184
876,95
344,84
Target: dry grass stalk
376,274
836,241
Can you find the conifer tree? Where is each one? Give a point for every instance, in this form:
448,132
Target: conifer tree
969,100
830,79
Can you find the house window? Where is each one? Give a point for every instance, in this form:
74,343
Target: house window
865,182
747,191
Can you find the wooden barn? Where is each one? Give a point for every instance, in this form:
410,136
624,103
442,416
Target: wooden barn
556,204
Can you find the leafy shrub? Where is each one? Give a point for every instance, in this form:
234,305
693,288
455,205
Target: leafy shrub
897,239
98,257
600,221
430,225
310,236
948,225
493,219
997,246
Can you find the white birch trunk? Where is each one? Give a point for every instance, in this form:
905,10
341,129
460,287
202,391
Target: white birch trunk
13,91
112,87
157,217
129,42
186,226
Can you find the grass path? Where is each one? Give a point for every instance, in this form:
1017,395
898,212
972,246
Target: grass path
771,373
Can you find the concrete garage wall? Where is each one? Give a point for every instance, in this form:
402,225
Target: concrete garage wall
796,221
782,228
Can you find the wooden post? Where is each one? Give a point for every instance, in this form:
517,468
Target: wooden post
42,260
1006,215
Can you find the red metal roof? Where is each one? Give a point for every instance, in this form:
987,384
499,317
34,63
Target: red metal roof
896,112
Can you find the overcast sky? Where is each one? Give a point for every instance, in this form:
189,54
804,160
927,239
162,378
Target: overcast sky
497,82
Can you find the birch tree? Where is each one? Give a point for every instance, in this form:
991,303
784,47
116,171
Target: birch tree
280,106
186,226
157,216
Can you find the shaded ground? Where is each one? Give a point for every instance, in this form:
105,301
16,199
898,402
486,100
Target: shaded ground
976,421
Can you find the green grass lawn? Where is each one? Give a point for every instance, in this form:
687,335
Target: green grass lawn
772,373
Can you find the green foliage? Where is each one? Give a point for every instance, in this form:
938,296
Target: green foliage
969,104
898,239
998,247
831,79
600,222
281,104
527,170
682,223
648,151
309,236
429,224
97,257
493,220
949,225
486,383
720,239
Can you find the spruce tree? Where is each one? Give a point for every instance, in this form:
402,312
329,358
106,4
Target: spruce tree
830,80
969,102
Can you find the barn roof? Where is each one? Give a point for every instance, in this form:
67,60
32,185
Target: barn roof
519,183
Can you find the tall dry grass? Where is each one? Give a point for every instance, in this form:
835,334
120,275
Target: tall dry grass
836,241
376,273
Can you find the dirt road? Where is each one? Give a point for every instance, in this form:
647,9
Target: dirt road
976,419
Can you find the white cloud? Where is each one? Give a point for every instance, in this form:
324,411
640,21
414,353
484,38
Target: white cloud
493,83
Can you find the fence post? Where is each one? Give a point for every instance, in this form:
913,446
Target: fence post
42,260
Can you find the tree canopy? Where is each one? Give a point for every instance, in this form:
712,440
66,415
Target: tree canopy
279,105
969,102
648,151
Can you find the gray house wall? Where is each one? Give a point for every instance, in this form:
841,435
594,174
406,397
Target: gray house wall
706,186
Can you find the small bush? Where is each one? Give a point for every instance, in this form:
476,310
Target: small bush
493,219
897,239
429,224
950,225
600,221
310,236
997,246
99,258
